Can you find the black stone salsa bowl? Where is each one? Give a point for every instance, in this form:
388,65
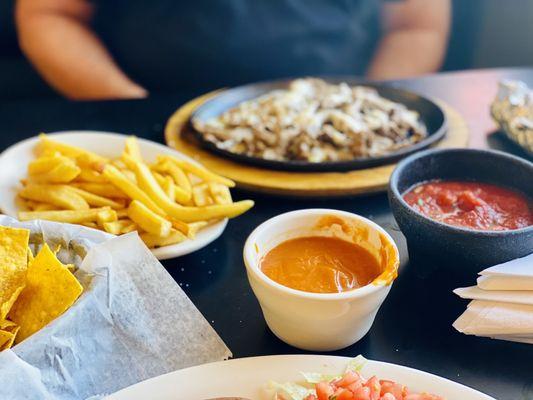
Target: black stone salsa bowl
455,247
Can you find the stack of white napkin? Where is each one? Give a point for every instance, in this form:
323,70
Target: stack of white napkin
502,302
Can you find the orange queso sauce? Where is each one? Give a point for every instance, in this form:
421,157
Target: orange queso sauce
320,265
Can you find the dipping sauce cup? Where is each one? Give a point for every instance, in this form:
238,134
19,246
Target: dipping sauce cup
320,321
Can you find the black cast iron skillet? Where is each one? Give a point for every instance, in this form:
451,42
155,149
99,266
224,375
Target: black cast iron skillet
430,113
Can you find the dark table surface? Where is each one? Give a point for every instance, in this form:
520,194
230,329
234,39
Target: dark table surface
413,327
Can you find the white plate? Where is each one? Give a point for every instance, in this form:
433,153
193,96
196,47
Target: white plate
248,377
15,159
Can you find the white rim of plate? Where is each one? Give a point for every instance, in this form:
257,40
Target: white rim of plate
258,365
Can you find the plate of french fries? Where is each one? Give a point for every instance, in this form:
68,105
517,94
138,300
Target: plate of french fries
118,184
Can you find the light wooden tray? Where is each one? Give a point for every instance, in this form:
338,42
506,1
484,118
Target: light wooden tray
300,184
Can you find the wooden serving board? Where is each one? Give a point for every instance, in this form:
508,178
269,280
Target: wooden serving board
299,184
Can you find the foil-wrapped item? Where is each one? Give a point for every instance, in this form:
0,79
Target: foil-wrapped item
512,109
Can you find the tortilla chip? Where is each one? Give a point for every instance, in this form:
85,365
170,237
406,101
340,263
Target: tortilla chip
30,256
9,330
7,325
6,340
50,290
13,265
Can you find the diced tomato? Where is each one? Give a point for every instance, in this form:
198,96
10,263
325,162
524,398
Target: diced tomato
348,378
343,394
323,390
445,199
467,201
375,388
363,393
354,386
396,389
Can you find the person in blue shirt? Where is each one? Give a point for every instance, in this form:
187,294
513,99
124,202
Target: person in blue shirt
99,49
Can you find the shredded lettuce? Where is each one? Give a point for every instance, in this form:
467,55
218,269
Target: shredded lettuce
356,364
291,390
315,377
295,391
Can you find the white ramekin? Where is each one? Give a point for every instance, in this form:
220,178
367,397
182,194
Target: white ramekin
315,321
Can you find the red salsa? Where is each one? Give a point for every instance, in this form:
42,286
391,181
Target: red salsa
472,205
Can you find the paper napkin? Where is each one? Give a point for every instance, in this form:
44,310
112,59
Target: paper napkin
512,275
502,303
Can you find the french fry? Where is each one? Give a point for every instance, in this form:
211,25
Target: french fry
180,177
125,185
122,213
62,173
26,204
119,164
195,227
53,169
46,163
95,200
90,175
47,144
201,196
216,211
159,178
57,195
86,162
186,214
112,227
219,193
101,189
199,171
37,205
148,183
179,225
167,184
168,202
169,187
130,175
129,228
106,215
43,207
148,220
152,240
120,226
132,148
69,216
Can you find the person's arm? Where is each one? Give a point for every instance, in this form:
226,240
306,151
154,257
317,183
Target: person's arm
414,41
56,37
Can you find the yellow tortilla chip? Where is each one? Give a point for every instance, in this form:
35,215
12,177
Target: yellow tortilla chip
50,290
6,340
30,256
8,330
13,265
7,325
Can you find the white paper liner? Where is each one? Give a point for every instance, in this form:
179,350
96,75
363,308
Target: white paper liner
132,322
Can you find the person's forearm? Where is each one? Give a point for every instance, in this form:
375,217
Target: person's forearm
407,53
71,58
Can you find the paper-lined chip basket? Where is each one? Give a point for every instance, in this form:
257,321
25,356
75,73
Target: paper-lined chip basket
131,323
